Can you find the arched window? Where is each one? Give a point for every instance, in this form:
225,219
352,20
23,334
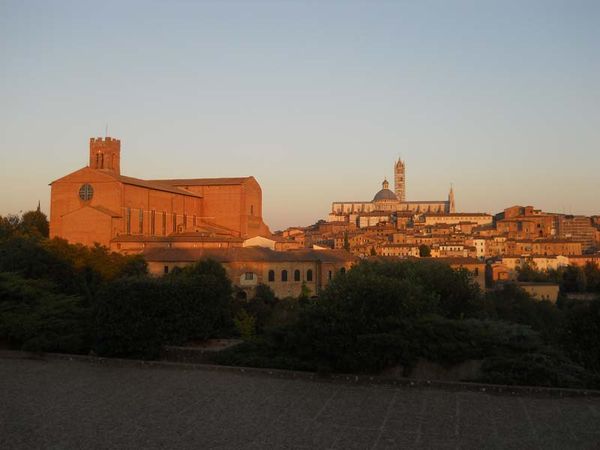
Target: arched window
309,275
271,275
296,275
284,275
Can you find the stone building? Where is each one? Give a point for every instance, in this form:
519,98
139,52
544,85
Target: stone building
97,204
578,228
284,272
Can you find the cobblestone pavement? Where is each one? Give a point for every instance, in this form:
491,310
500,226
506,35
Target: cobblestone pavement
74,405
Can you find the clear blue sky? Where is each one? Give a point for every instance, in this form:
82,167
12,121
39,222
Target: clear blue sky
316,99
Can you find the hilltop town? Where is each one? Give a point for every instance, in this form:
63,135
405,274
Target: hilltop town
493,247
175,222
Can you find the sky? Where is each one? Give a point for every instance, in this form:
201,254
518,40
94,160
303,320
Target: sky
316,99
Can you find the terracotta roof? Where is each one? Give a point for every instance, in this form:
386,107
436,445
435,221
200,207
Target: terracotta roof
246,254
204,181
149,184
400,245
459,214
456,260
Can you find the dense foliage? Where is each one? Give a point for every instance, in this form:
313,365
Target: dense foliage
68,298
570,278
136,316
383,314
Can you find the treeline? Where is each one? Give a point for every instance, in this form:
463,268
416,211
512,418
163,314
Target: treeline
386,314
570,278
69,298
57,297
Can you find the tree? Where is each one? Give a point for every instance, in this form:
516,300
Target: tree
9,225
580,335
424,251
592,276
136,316
513,304
346,241
573,279
35,316
35,223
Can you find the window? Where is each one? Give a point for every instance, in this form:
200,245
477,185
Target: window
249,276
343,270
251,210
330,275
296,275
194,220
174,222
166,270
284,275
128,221
164,223
185,221
309,275
86,192
271,275
141,221
153,222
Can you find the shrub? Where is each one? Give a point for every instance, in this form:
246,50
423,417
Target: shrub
34,317
513,304
136,316
536,369
580,335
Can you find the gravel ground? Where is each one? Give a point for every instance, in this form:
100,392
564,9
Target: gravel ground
74,405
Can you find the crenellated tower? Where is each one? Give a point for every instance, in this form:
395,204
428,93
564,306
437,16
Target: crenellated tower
105,154
400,180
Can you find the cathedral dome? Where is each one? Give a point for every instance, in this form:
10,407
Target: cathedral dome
385,194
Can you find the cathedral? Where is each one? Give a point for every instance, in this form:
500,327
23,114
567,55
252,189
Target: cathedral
386,202
97,204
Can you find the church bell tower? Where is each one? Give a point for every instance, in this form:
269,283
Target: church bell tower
400,180
451,204
105,154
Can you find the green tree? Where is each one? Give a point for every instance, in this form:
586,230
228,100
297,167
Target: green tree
35,223
136,316
573,279
9,225
424,251
34,316
580,334
513,304
592,277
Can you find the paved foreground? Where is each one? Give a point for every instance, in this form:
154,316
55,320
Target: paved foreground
77,405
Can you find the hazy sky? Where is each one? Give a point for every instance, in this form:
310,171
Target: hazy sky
315,99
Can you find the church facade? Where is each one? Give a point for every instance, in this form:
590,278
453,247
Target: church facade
96,204
386,203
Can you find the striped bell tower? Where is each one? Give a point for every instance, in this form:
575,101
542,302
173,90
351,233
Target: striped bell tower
400,180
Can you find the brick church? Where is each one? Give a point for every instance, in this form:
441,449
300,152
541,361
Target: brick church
96,204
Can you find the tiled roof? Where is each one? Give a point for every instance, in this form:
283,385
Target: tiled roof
459,214
205,181
149,184
246,254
